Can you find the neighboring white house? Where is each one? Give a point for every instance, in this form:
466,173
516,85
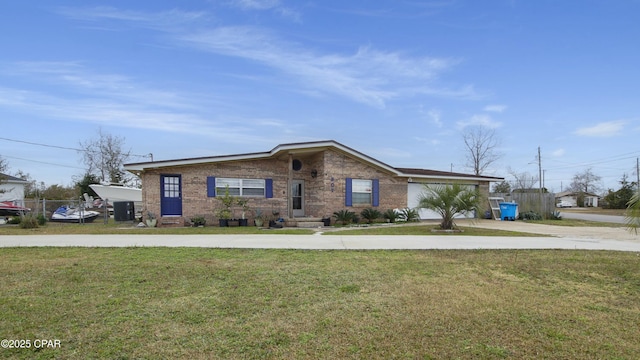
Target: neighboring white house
12,189
570,199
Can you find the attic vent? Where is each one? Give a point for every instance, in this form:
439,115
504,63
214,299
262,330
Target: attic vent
296,165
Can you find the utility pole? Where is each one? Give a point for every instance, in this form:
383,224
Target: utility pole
540,181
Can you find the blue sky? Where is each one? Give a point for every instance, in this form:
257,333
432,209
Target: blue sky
397,80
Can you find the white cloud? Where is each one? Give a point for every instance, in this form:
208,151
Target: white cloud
159,20
263,5
368,76
603,129
256,4
558,153
479,120
495,108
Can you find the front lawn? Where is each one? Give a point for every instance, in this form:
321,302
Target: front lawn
155,303
424,229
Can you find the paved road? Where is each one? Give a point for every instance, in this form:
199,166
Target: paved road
593,217
323,242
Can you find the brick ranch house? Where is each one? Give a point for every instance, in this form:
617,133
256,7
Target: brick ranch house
303,182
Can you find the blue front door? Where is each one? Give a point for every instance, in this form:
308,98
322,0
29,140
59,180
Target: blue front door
171,195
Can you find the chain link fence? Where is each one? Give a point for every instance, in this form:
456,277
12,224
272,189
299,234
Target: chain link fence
48,207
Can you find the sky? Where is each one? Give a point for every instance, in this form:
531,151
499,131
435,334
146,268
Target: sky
400,81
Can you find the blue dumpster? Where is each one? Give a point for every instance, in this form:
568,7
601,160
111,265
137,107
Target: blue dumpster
508,211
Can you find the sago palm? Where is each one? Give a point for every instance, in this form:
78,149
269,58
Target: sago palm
448,201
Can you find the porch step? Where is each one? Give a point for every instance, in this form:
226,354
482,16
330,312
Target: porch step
310,224
305,222
171,222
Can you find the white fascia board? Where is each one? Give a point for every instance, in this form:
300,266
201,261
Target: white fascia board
195,161
448,178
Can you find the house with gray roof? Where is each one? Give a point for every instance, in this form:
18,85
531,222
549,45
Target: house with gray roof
299,181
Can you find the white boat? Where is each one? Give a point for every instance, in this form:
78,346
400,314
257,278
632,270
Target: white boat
114,193
73,215
8,208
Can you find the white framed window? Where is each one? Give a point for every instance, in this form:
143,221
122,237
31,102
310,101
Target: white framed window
241,187
361,191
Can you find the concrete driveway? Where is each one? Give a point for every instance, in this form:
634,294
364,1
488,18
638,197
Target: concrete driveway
593,217
320,242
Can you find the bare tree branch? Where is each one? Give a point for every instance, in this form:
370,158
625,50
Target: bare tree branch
522,180
586,182
105,157
482,145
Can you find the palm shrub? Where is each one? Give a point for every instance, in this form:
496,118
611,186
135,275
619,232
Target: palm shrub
449,200
370,215
344,217
391,215
409,215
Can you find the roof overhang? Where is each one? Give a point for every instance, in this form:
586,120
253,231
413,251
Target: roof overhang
423,174
284,151
279,152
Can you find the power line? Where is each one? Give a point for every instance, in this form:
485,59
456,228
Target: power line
43,162
620,157
63,147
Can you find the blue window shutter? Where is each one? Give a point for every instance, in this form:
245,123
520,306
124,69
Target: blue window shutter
375,192
348,200
211,186
268,188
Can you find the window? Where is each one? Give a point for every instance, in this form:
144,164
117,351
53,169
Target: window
241,187
171,186
362,192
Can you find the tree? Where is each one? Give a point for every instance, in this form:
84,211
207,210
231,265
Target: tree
448,201
59,192
522,180
105,157
83,184
481,144
502,187
585,182
4,167
32,188
620,198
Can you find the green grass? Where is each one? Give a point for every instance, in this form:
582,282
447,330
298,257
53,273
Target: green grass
98,227
426,229
114,228
592,210
153,303
575,222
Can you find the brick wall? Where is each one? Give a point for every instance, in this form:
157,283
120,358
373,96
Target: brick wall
324,174
339,167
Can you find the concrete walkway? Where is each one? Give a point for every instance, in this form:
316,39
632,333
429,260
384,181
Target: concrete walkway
319,242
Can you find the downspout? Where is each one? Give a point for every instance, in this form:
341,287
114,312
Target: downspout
289,185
